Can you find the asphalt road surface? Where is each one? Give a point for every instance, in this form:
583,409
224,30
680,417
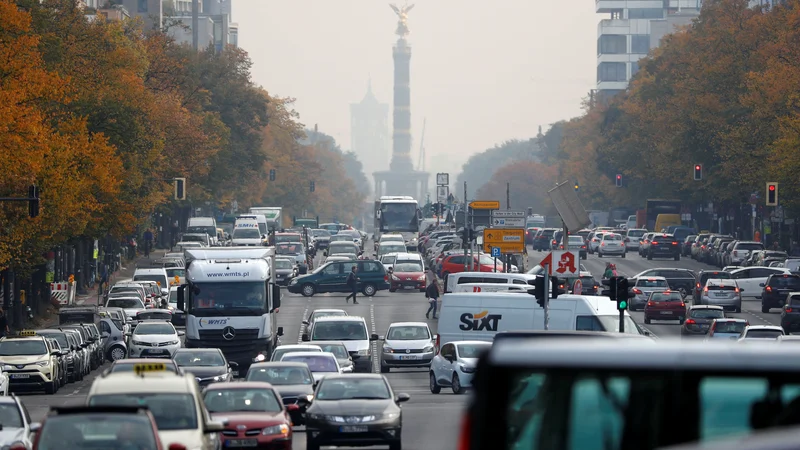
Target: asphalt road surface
430,421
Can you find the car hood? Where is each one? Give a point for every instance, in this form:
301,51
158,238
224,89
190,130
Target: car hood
291,390
154,338
350,407
131,312
21,359
205,372
252,419
353,346
9,435
402,345
469,362
187,438
248,241
284,271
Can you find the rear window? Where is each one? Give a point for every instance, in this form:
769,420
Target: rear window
612,237
785,282
666,297
707,314
749,246
648,283
548,233
795,301
719,275
663,237
729,327
636,233
764,334
721,287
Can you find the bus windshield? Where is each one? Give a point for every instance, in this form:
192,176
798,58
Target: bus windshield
399,217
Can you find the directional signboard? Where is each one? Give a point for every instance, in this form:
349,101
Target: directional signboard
508,219
485,204
442,192
508,240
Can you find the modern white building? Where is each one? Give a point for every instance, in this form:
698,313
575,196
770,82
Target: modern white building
633,28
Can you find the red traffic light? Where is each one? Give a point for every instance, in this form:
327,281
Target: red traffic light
619,177
697,167
771,187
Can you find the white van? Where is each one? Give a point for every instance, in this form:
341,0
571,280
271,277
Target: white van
259,218
206,225
479,316
246,233
492,287
521,279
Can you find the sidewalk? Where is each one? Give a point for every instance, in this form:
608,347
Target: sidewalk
91,298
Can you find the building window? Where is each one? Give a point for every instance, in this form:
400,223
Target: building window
640,43
612,71
610,44
645,13
634,68
142,6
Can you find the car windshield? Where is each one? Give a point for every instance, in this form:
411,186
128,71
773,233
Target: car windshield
280,351
338,350
280,375
122,366
706,314
391,248
154,328
730,327
320,233
650,283
194,358
62,341
19,347
408,267
319,314
473,350
408,333
171,411
287,238
636,233
316,363
764,334
246,233
9,415
749,246
153,315
575,240
341,238
160,279
81,431
173,272
388,259
339,331
785,282
283,264
194,237
235,299
230,400
125,303
612,237
337,248
289,249
353,388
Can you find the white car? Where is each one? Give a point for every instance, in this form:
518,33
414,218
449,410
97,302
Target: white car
751,279
131,305
762,333
321,364
611,244
16,423
407,344
281,350
154,339
455,365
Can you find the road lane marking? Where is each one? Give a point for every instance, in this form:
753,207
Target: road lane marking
302,325
376,361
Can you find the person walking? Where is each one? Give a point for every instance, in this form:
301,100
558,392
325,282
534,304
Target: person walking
609,271
352,283
3,323
148,242
431,292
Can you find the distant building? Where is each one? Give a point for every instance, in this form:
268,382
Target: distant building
151,11
216,26
369,132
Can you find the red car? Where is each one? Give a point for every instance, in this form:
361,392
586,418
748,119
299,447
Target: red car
482,263
254,414
666,305
407,276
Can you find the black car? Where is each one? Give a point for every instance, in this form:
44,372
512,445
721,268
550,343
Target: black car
292,380
790,315
356,396
208,365
776,289
677,279
664,246
285,271
702,277
543,240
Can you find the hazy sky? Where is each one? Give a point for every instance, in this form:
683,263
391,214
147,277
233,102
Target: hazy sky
482,71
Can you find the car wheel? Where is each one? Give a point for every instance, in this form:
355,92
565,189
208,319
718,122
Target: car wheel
677,257
392,290
311,445
649,256
397,445
764,309
116,353
435,388
385,369
457,388
738,309
50,388
646,321
308,290
369,290
599,255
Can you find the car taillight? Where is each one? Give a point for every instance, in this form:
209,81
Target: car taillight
675,243
650,303
768,288
705,289
698,285
736,290
788,309
438,341
386,278
655,242
637,291
703,246
583,246
554,242
683,305
735,253
463,436
603,244
690,322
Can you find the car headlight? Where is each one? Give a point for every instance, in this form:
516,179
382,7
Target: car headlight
260,358
221,377
395,278
294,281
387,349
7,367
316,416
42,363
421,278
364,352
139,343
467,369
427,349
172,342
275,429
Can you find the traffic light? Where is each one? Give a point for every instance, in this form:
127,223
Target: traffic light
619,180
611,292
271,174
539,291
312,187
33,201
623,294
554,287
698,172
772,194
180,188
577,186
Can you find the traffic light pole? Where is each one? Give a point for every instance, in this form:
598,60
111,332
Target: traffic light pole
546,272
466,223
622,321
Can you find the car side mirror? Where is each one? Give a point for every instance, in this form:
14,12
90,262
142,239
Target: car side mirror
374,337
304,337
55,352
305,322
741,290
213,427
280,331
73,347
233,364
325,253
181,333
402,397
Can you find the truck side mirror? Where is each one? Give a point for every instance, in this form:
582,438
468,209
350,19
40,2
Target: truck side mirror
181,301
276,296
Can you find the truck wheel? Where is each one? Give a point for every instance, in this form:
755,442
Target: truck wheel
369,290
308,290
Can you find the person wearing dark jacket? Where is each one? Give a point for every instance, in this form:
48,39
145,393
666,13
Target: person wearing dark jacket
432,294
352,283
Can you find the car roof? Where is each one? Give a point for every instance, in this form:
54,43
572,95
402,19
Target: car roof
296,354
721,281
143,361
715,307
328,310
128,382
408,324
654,278
268,364
198,350
297,346
318,343
765,327
582,353
240,385
341,319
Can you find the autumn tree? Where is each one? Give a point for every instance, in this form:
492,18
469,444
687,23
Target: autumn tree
479,168
528,182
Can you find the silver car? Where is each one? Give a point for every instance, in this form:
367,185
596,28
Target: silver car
113,338
611,244
407,344
644,287
728,328
724,293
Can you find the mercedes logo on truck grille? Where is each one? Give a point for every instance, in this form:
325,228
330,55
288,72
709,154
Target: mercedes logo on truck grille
228,333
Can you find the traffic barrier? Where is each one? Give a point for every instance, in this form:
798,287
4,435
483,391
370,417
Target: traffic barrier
63,293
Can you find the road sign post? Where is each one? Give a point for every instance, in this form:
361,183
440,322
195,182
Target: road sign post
505,240
546,296
495,254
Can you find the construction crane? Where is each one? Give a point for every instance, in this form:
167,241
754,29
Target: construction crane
421,161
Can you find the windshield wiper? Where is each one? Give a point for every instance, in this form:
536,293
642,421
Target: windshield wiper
366,397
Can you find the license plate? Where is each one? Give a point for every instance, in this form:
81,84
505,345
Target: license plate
721,294
20,375
667,312
353,429
157,350
241,443
409,357
408,288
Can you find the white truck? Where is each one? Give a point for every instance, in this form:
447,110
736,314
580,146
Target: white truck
231,301
274,215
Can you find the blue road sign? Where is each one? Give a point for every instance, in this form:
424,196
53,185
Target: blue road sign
495,252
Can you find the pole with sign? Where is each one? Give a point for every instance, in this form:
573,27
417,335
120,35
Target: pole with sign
495,254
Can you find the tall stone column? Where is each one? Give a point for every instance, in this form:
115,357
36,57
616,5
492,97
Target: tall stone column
401,120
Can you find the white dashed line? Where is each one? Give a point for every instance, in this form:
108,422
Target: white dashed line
302,325
376,362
